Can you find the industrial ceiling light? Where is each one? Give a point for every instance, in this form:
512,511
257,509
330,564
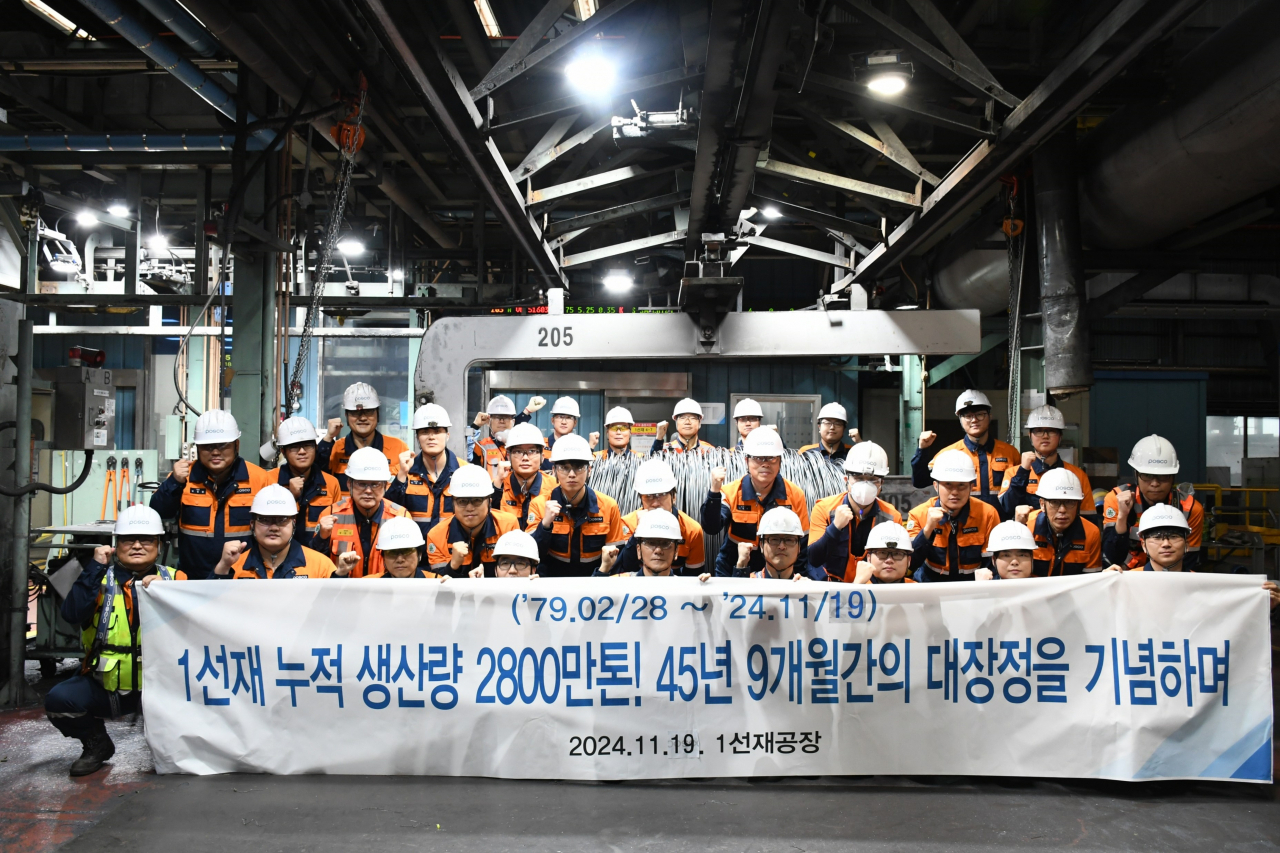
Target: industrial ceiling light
772,212
350,247
397,275
591,73
158,242
57,19
86,219
118,209
884,73
618,281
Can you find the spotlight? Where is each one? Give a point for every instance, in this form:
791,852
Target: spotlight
118,209
350,247
617,281
772,213
884,73
158,242
86,218
397,275
591,73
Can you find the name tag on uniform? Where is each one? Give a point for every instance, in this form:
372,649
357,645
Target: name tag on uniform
321,493
744,508
196,491
244,491
1077,546
970,530
596,519
344,532
1002,459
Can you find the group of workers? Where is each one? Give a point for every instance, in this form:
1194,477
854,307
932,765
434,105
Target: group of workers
366,506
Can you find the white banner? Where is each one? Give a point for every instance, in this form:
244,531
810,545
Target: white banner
1116,676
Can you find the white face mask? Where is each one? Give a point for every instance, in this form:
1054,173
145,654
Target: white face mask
502,436
863,492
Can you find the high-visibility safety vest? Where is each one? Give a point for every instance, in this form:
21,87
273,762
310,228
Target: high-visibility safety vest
838,551
516,500
1136,557
840,453
573,544
209,514
346,534
448,532
488,452
300,562
990,460
1076,550
333,456
1027,481
955,549
427,501
116,662
746,508
319,493
691,552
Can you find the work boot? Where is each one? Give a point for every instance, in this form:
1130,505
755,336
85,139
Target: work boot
97,749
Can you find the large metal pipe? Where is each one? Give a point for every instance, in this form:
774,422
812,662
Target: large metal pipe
1150,171
17,683
1067,363
185,27
126,142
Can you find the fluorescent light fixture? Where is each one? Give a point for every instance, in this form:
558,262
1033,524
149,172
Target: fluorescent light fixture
591,74
488,20
397,275
617,281
158,242
889,83
772,212
585,8
118,209
57,19
86,218
350,247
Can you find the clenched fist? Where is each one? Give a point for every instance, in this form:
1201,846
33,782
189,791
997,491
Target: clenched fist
461,551
854,435
593,439
1028,457
608,556
406,462
744,554
181,470
295,486
477,572
335,429
842,516
326,525
535,403
347,561
862,574
498,472
1021,514
661,430
927,438
982,575
231,551
549,513
102,555
482,418
1124,502
935,517
718,474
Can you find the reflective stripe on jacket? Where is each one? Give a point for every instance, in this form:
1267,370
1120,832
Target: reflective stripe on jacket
426,500
834,553
332,456
572,545
300,562
448,532
319,493
1077,550
346,534
955,549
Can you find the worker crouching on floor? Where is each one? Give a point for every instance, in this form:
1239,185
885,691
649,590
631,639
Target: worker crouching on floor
841,524
617,434
520,479
273,553
951,529
465,541
657,536
352,525
574,523
1011,550
315,491
362,408
688,418
1066,543
655,483
781,538
211,496
400,544
515,556
991,457
832,420
103,602
1155,462
422,482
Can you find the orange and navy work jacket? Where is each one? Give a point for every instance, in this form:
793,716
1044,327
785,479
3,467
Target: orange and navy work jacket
332,456
955,549
678,445
990,460
448,532
841,451
208,514
1020,486
1077,550
300,562
691,553
319,493
609,451
427,500
353,531
516,499
834,553
1126,549
737,509
571,547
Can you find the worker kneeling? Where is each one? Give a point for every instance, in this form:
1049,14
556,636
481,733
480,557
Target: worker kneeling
352,525
273,552
781,536
574,523
1066,542
400,543
951,529
103,602
1011,548
888,558
515,556
458,545
657,537
841,524
655,482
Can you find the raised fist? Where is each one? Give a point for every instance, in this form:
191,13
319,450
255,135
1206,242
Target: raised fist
295,486
335,428
1124,502
661,430
102,555
862,574
231,551
535,403
593,439
935,517
482,418
982,574
842,516
1027,458
498,472
406,462
477,572
181,470
718,474
927,438
608,556
1021,514
459,556
704,577
347,561
855,435
549,513
326,525
744,554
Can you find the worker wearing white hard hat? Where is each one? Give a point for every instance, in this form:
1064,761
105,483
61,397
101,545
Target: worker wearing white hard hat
991,456
361,407
210,497
736,507
401,544
421,483
565,415
465,541
657,538
348,532
574,523
499,416
520,479
1066,542
779,540
1164,533
1044,426
747,415
516,555
887,558
951,529
839,525
833,420
1011,550
655,483
617,433
103,597
315,490
688,417
1155,464
273,552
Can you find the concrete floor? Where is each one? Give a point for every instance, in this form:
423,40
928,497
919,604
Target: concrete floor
127,806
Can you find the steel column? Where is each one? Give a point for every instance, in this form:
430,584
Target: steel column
15,692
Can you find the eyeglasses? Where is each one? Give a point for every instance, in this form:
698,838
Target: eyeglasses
658,544
765,460
781,541
891,556
510,564
1155,478
1165,536
687,418
273,520
395,555
524,451
573,467
1055,505
365,485
827,422
1044,432
469,503
978,415
225,447
618,428
126,541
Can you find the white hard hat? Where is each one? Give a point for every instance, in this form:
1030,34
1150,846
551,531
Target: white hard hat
368,464
1154,455
780,521
570,448
516,543
360,395
834,411
1161,515
867,457
139,520
501,405
889,534
1010,536
399,532
659,524
431,415
216,427
762,442
275,500
295,430
566,406
747,408
470,481
1046,417
1059,484
687,406
525,433
971,398
954,466
618,415
654,477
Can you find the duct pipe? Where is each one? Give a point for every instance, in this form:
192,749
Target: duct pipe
184,26
17,682
1067,366
126,142
1150,171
